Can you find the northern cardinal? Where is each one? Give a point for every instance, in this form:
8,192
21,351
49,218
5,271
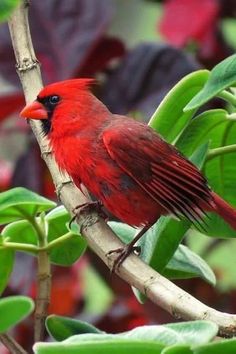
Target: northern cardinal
132,171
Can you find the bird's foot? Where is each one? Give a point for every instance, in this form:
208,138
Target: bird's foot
123,253
88,207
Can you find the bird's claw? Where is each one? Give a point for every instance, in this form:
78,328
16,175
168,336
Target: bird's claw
88,207
123,253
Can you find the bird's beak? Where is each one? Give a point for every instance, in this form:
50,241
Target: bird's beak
34,110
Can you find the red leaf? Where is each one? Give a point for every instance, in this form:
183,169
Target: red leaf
9,104
5,175
97,60
186,20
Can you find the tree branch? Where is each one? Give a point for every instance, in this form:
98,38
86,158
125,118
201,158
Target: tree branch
11,344
98,235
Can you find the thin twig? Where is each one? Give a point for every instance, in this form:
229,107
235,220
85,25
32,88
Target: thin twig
43,281
99,236
11,344
43,294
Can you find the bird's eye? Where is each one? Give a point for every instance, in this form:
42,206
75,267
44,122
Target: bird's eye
54,99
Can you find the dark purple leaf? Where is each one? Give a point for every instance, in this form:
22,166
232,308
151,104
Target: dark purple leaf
28,170
144,77
228,8
64,33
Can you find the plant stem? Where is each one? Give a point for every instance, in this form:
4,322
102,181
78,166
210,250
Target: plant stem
43,281
220,151
11,344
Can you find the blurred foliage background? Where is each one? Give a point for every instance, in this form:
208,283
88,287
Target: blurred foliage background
137,50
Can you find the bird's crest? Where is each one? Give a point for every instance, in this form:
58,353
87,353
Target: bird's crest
67,87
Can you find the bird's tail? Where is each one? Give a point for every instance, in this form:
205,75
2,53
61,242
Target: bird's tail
223,209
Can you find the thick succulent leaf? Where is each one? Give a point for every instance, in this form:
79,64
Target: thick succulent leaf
61,328
6,8
70,249
223,346
177,349
184,263
222,76
20,203
6,266
146,338
169,118
14,309
195,332
192,266
214,127
20,231
97,303
105,345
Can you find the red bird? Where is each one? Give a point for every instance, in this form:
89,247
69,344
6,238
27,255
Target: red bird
132,171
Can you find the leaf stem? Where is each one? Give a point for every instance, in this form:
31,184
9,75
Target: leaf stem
59,240
220,151
19,247
227,96
11,344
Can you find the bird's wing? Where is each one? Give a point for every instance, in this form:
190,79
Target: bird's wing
158,168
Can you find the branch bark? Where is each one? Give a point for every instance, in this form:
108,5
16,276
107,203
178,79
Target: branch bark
98,235
11,344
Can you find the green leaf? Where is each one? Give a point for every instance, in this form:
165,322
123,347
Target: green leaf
6,7
162,240
201,130
227,346
228,26
222,76
184,262
13,310
6,266
98,296
20,231
169,118
99,346
214,127
61,328
192,266
70,249
177,349
66,252
145,339
20,203
195,332
221,258
161,333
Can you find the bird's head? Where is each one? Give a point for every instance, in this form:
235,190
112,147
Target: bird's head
64,101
